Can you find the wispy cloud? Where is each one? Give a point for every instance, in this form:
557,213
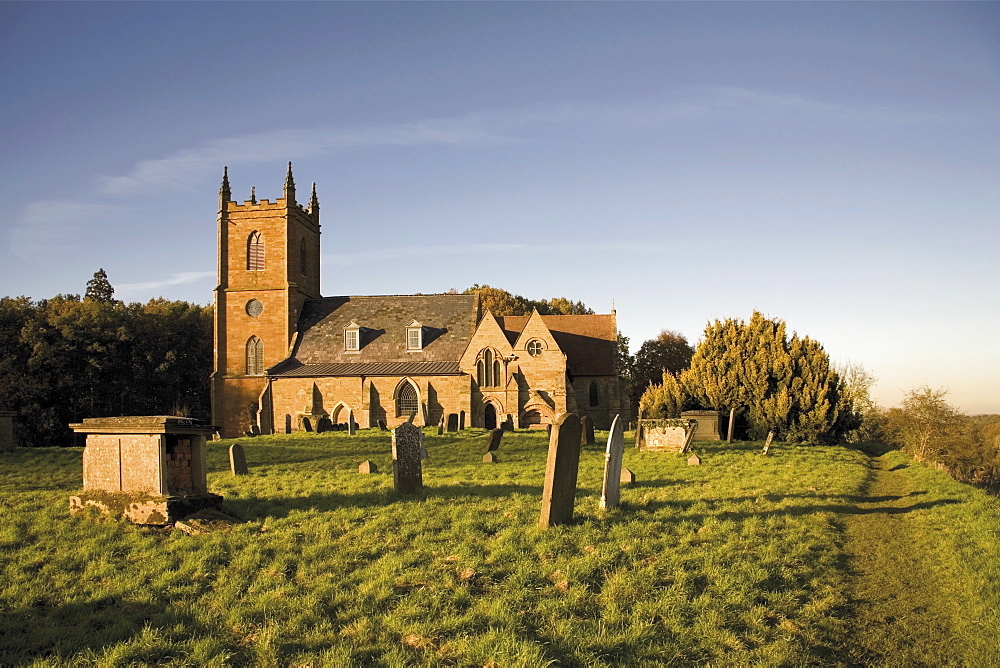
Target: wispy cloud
176,279
474,251
47,227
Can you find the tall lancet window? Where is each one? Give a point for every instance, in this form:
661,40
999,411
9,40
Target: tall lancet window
255,252
255,357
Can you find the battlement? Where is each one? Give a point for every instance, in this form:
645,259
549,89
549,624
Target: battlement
260,205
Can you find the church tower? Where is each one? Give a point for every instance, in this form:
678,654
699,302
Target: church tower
268,266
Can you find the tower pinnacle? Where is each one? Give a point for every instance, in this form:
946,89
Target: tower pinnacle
313,200
289,186
224,192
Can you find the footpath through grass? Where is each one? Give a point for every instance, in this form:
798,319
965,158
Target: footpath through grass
742,560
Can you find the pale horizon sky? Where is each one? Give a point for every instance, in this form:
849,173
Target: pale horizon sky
835,165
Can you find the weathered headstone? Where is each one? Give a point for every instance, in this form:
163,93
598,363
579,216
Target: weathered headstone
561,467
288,423
611,489
441,426
255,430
638,431
324,425
548,430
306,424
694,460
767,443
381,425
587,425
452,422
461,420
7,430
490,458
407,474
493,441
508,423
423,448
423,411
237,459
692,429
628,476
352,426
367,466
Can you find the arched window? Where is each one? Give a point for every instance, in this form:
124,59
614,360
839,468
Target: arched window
497,375
593,394
406,400
255,252
302,256
255,357
481,373
488,372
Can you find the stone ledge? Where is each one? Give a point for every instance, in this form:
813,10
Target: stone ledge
141,508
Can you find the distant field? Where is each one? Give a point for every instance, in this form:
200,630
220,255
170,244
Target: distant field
742,560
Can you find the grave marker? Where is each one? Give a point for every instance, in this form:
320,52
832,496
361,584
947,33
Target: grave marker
461,420
493,442
611,489
628,476
407,475
490,458
767,443
587,426
561,468
237,459
452,422
367,466
352,426
694,460
381,425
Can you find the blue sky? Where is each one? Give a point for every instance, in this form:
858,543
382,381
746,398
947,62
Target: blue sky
836,165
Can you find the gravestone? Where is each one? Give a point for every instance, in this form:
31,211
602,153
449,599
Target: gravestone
694,460
493,441
412,417
628,476
508,423
423,411
255,430
767,443
381,425
352,426
324,425
461,420
587,433
452,422
423,448
561,468
548,430
306,424
288,423
237,459
7,430
441,426
407,475
692,429
367,466
490,458
611,490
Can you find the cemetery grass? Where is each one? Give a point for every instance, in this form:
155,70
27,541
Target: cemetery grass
742,560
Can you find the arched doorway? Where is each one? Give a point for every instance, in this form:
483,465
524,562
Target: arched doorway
490,417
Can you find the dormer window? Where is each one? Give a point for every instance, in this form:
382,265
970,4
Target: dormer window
414,336
352,337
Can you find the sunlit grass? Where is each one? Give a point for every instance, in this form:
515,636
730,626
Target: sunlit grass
737,561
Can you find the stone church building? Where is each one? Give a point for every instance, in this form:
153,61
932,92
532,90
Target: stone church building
286,357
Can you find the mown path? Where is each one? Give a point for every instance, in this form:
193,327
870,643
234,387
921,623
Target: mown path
903,613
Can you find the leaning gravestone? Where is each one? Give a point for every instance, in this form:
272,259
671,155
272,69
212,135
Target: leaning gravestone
588,430
412,417
237,459
611,490
559,491
452,422
367,466
493,442
352,426
767,443
423,411
381,425
407,475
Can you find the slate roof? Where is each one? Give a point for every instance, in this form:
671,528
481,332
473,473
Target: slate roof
589,341
448,324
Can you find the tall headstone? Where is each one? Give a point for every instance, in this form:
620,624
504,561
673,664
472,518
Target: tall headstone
461,420
237,459
508,423
423,411
306,424
288,423
452,422
352,426
412,417
559,490
493,442
611,489
587,425
407,474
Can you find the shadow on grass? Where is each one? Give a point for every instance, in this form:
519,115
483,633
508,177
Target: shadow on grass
251,509
65,631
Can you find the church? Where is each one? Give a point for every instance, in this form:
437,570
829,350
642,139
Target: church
287,358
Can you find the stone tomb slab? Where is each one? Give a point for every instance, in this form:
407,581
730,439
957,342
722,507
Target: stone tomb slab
407,473
561,469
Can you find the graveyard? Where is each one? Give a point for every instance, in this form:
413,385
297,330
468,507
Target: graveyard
726,558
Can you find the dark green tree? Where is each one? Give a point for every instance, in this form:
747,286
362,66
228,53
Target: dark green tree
669,352
99,288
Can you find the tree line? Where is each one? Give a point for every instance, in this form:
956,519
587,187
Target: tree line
70,357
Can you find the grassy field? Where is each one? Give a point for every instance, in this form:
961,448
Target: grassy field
742,560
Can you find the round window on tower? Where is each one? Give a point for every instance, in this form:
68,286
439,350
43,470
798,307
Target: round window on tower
254,308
